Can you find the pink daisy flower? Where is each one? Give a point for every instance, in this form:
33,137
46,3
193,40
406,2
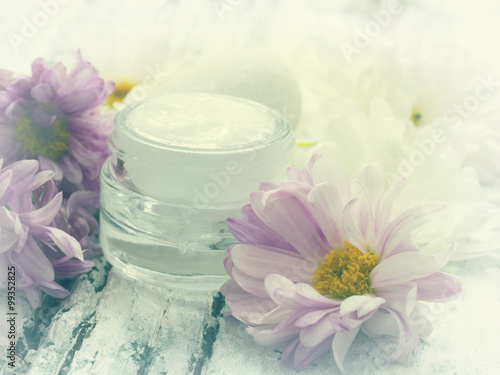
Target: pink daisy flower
40,252
53,115
320,260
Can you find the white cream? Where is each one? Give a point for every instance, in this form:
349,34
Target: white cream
201,122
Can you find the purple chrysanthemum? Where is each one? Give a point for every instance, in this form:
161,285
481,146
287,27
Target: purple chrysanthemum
53,115
319,260
39,251
76,217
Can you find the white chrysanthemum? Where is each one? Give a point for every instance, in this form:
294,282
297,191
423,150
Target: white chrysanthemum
426,157
424,78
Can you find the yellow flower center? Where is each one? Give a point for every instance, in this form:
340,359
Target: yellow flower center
37,139
416,117
345,273
122,88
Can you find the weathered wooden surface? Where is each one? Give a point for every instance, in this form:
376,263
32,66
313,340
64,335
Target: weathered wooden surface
114,325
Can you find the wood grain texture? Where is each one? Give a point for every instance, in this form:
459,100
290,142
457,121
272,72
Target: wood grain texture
114,325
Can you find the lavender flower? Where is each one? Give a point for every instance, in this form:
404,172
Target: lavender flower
76,217
40,252
320,260
53,115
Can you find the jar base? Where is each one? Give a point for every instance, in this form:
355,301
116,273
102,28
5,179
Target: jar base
156,263
193,282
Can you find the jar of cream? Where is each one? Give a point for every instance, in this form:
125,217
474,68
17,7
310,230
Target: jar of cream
181,165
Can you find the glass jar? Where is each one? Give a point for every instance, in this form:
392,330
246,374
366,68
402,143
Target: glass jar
181,165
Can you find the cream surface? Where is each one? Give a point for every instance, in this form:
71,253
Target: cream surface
202,121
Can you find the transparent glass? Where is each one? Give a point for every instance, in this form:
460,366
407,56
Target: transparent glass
181,165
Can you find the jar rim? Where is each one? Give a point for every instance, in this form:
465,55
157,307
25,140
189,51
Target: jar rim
122,126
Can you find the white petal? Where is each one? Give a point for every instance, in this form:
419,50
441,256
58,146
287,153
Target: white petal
341,344
362,304
264,336
351,229
316,333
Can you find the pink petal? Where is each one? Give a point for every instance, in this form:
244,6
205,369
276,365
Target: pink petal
11,230
402,226
48,165
71,169
313,317
408,336
316,333
326,206
79,102
402,268
5,178
255,310
263,335
90,160
351,230
249,215
80,199
363,305
249,233
250,284
276,316
34,296
80,76
38,66
267,186
50,191
419,315
305,355
52,77
16,109
22,173
287,320
43,93
67,244
231,287
288,350
299,175
33,262
381,323
5,99
53,289
228,262
295,297
292,221
258,262
43,216
438,287
341,344
6,76
40,179
400,297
